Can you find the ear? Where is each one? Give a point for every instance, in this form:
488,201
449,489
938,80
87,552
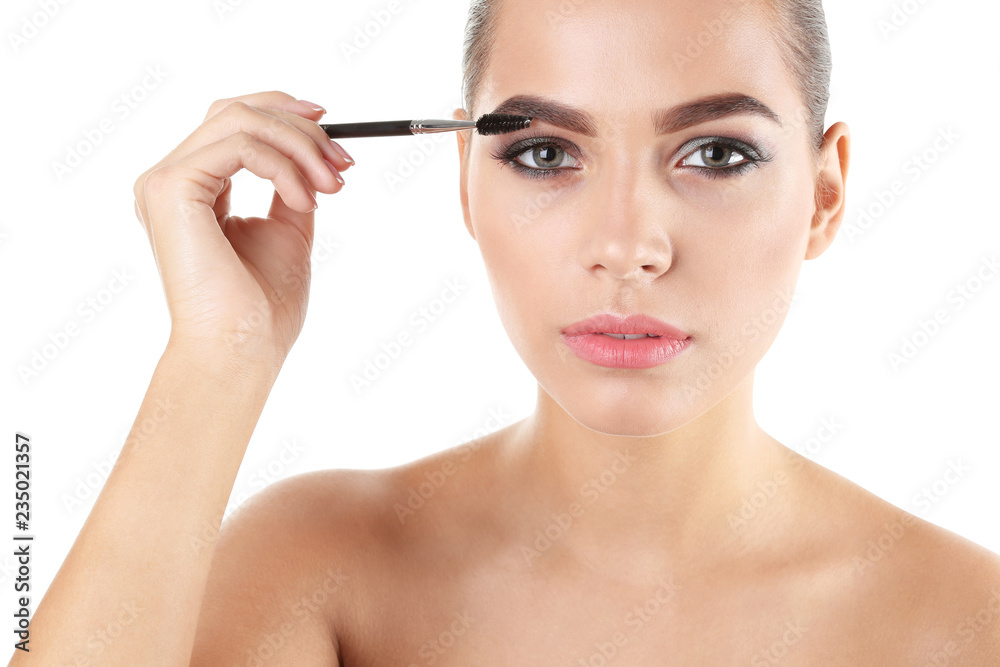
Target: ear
830,189
463,164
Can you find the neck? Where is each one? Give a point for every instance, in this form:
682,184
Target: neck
668,499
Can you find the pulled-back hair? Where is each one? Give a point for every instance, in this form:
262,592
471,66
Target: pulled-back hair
799,28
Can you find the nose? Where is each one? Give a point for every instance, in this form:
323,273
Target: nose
625,234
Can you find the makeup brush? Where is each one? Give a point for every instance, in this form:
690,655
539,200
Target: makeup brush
491,123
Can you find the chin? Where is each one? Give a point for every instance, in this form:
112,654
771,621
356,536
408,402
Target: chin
628,412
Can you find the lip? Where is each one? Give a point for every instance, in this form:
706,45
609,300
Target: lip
633,324
587,340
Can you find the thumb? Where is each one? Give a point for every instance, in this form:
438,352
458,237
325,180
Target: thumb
304,222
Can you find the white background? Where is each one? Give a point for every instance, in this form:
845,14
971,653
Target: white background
62,239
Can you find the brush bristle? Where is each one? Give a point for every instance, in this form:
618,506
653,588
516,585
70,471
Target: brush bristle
501,123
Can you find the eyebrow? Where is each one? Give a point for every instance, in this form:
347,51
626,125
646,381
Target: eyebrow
665,121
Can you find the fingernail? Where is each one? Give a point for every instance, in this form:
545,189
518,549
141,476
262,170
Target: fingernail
333,170
312,105
340,149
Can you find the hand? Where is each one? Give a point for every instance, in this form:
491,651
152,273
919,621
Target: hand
239,284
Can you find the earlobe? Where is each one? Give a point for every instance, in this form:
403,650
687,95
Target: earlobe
463,171
830,187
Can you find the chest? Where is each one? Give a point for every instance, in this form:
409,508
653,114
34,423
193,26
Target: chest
489,621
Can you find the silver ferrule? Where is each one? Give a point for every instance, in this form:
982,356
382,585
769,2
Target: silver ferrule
429,126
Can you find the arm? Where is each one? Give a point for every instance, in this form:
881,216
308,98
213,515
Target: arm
131,587
142,558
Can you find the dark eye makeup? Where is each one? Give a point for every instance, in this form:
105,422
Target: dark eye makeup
715,153
507,155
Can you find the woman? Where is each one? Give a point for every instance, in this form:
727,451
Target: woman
640,515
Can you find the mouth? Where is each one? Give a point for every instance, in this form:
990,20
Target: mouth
625,328
627,336
634,342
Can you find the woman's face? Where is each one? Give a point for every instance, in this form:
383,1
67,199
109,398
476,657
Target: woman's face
632,220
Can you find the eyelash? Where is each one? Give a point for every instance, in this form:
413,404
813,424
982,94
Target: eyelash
508,155
753,157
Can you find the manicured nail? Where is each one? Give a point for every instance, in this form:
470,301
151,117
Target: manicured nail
343,153
333,170
312,105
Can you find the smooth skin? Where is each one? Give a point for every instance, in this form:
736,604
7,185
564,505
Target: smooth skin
598,530
130,589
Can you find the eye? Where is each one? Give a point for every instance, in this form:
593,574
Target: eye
719,157
537,157
545,156
715,155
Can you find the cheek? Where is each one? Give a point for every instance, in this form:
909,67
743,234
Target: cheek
744,257
520,224
738,249
508,223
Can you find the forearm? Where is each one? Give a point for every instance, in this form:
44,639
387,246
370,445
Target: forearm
141,560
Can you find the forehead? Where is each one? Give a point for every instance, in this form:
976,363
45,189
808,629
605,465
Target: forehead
620,59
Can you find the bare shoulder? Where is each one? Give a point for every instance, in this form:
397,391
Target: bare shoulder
955,585
279,573
303,569
931,594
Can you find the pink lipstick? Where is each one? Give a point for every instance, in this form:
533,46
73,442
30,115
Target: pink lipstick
637,341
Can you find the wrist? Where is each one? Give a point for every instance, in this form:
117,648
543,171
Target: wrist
250,359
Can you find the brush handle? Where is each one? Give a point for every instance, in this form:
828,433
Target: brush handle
395,128
382,128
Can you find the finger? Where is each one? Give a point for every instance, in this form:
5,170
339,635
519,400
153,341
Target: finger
271,100
305,115
180,197
140,214
303,222
335,162
223,201
274,131
332,151
277,132
239,113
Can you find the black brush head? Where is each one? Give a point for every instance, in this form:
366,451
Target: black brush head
501,123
